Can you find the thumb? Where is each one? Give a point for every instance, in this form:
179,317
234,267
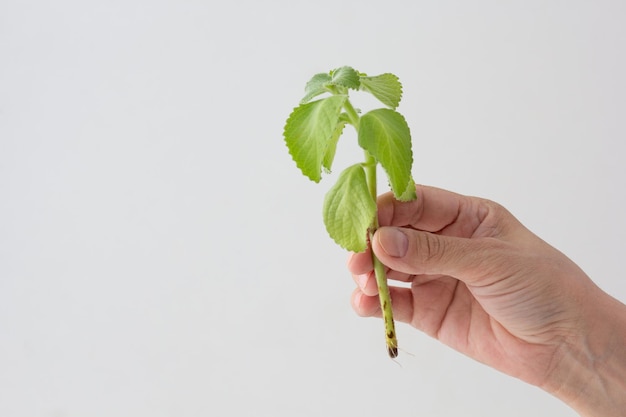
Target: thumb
422,253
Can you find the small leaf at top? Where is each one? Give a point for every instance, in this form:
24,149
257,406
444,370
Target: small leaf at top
346,77
316,86
385,134
349,209
309,131
385,87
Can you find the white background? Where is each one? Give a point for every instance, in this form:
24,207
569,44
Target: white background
161,255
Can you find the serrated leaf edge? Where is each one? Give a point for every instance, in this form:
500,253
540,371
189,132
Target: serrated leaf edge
373,113
393,105
317,178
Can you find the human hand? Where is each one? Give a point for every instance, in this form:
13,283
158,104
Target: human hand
486,286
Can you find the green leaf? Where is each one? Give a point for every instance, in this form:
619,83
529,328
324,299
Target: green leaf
346,77
385,134
385,87
349,209
329,156
309,131
315,87
410,193
319,84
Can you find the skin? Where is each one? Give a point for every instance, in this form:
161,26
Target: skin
486,286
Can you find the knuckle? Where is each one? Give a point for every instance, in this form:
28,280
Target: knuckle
430,248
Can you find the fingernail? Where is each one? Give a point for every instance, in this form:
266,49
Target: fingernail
356,299
362,280
350,259
393,241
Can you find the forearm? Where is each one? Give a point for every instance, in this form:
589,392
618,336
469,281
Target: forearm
591,372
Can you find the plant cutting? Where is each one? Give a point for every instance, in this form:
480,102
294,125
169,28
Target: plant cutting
312,132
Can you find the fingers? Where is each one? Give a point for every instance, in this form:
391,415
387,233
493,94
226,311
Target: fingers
366,283
369,305
442,212
415,252
360,265
434,210
423,306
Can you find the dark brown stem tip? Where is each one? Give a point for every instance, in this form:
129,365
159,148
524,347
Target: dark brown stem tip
393,352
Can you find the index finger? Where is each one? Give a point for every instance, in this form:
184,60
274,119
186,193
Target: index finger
435,210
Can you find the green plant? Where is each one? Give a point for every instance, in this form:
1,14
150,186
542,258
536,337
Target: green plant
312,132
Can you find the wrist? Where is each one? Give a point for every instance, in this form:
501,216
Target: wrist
591,373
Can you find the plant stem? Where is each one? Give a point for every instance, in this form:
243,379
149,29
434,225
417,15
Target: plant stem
384,296
379,269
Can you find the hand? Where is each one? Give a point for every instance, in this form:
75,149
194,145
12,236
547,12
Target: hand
486,286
